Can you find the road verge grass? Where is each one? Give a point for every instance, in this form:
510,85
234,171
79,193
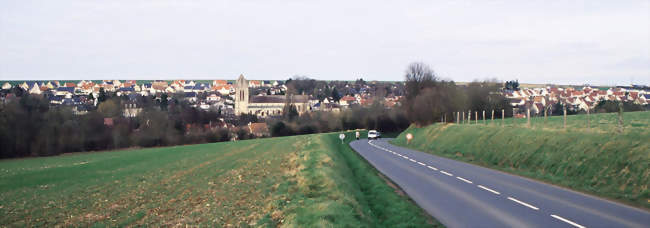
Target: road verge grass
335,187
597,161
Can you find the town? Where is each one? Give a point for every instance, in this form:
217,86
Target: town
218,95
266,98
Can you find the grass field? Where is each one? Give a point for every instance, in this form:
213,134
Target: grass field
299,181
596,160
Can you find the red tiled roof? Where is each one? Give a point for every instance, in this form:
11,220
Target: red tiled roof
258,128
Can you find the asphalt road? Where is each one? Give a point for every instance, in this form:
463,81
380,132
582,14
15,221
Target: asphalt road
459,194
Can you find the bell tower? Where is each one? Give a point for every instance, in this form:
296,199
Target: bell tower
241,95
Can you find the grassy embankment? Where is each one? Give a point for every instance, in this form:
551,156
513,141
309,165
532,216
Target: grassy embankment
596,160
302,181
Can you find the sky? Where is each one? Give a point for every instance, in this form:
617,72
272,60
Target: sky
563,42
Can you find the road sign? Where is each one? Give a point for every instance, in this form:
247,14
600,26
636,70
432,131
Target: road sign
409,137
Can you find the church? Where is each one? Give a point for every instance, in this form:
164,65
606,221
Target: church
265,105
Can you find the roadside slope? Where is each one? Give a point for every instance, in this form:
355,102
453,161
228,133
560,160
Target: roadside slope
595,160
295,181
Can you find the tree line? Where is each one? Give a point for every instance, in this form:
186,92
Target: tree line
431,99
29,126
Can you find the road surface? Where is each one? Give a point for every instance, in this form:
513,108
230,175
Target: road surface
463,195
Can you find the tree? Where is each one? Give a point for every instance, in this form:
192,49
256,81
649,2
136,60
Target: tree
102,95
163,101
110,108
512,85
418,77
289,112
335,95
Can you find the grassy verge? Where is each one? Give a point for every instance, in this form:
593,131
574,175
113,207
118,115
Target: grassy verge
334,187
300,181
595,160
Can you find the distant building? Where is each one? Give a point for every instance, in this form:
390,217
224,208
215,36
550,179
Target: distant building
267,105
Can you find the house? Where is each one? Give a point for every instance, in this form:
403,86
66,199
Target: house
224,89
131,110
64,91
258,129
56,100
213,97
191,97
347,100
35,89
254,83
125,91
517,102
80,110
108,122
219,82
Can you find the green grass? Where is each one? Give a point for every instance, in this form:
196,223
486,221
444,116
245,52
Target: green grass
596,160
309,180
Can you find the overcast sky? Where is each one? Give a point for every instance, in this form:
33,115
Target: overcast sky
596,42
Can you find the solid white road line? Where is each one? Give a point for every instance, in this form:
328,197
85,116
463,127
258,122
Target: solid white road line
487,189
523,203
431,167
405,157
446,173
568,221
412,160
463,179
421,163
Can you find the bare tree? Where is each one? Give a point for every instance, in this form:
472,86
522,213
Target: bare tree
418,77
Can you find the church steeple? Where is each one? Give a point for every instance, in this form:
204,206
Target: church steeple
241,95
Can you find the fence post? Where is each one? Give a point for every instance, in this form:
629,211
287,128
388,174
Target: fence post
463,117
492,115
475,117
484,121
545,116
588,124
620,117
513,116
458,117
528,117
503,117
564,110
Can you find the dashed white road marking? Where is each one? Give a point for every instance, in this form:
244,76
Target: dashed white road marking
568,221
523,203
480,186
463,179
446,173
487,189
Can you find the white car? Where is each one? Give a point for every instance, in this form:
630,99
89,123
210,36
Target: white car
373,134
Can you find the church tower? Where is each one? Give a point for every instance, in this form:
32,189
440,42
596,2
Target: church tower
241,95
